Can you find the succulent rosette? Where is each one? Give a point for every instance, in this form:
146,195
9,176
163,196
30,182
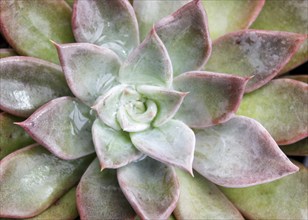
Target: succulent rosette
155,102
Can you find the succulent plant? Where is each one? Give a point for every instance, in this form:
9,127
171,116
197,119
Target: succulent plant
168,114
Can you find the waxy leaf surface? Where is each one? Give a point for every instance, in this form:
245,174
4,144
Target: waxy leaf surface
285,15
226,16
12,137
149,64
64,208
89,70
168,102
172,143
281,107
151,188
7,53
239,153
212,97
282,199
29,25
26,83
99,195
201,199
68,134
186,37
32,179
299,148
113,148
261,54
111,24
302,78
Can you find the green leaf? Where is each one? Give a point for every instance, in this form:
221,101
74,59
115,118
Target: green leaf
212,97
32,179
7,53
239,153
99,195
68,134
27,83
282,199
29,25
281,107
299,148
186,37
89,70
285,15
12,137
151,188
172,143
201,199
64,208
111,24
148,64
113,148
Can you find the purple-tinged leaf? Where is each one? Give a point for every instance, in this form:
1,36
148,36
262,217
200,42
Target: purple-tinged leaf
64,208
32,179
12,137
212,97
89,70
299,148
285,15
282,199
302,78
99,195
149,12
281,107
239,153
28,26
7,53
63,126
261,54
186,37
168,102
26,83
111,24
172,143
113,148
201,199
148,64
151,188
226,16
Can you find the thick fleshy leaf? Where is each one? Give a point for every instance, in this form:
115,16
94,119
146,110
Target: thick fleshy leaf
282,199
32,179
64,208
285,15
7,53
151,188
201,199
111,24
281,107
107,106
302,78
149,12
172,143
149,64
12,137
113,148
186,37
68,134
28,26
168,102
239,153
261,54
212,97
226,16
99,195
70,2
26,83
299,148
89,70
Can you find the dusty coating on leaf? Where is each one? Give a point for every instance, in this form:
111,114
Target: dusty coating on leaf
151,188
239,153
